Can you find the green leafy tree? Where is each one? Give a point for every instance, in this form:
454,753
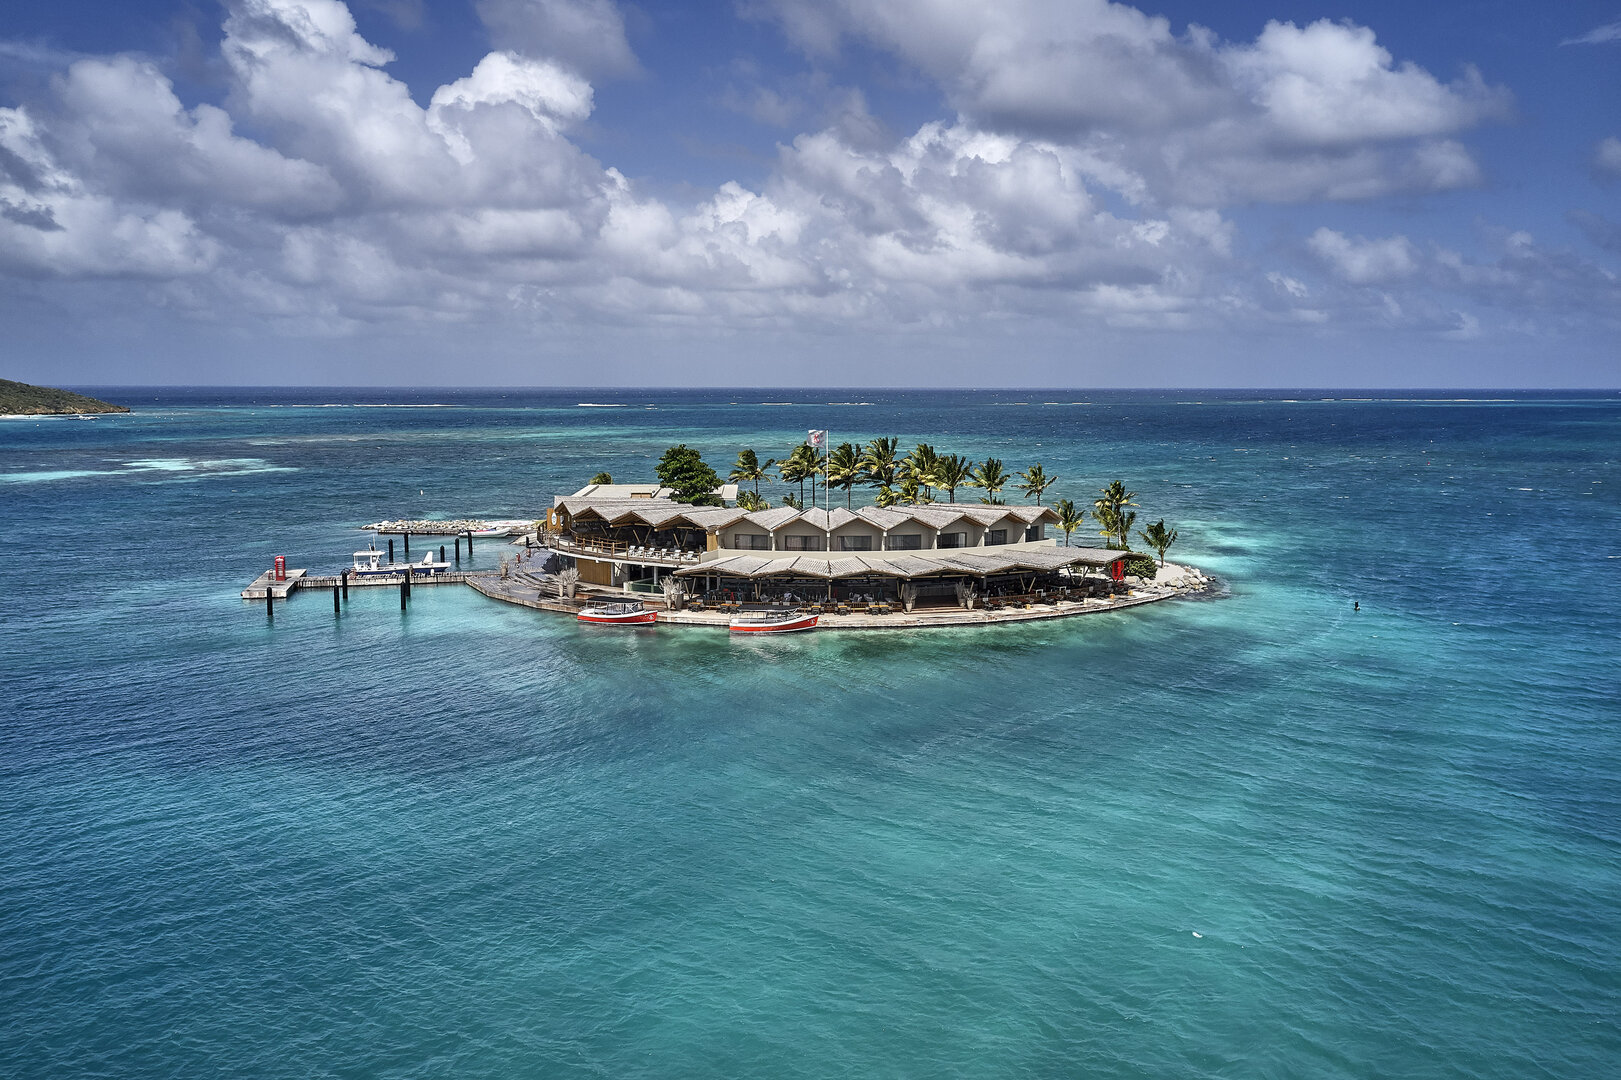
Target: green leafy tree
683,471
922,466
798,467
844,469
989,475
602,478
952,472
1034,481
1070,517
750,470
878,462
1109,511
911,491
1158,537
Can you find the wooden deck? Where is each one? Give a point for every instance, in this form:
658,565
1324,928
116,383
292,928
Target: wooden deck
267,585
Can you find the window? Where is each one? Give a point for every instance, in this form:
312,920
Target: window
751,541
1033,533
804,543
996,536
855,543
906,542
956,539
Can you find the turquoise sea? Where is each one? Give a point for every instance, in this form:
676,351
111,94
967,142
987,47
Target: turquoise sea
1262,835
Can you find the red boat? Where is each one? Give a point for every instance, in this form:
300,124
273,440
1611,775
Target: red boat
773,622
631,614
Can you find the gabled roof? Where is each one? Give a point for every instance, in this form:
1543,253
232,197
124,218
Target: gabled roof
771,520
978,563
882,516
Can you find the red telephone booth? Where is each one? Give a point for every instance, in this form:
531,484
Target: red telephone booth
1118,569
281,568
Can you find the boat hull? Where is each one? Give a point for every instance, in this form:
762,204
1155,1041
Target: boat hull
786,626
636,618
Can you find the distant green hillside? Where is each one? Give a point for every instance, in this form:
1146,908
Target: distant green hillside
21,399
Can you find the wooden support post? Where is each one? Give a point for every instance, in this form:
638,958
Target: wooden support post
345,576
402,594
407,581
441,553
391,550
336,601
408,546
270,604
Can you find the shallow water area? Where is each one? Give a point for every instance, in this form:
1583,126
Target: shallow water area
1261,835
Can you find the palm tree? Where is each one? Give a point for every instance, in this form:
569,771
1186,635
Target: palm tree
602,478
796,468
749,469
878,462
887,496
913,492
844,469
1109,510
990,477
1158,537
748,500
1069,517
952,472
923,466
1034,481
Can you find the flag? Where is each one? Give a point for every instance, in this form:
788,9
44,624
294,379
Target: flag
816,438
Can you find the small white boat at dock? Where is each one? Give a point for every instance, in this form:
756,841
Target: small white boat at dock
369,563
633,613
773,622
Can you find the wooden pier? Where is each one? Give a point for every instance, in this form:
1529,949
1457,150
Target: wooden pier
302,579
266,585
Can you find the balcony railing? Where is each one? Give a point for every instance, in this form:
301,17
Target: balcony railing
620,550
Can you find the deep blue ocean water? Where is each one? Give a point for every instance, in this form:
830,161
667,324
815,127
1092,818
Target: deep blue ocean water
1258,836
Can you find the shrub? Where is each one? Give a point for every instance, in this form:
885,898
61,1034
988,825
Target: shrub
1141,565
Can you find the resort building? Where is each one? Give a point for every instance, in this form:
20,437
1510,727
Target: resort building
945,552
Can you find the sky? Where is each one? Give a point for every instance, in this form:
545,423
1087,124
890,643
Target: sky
793,193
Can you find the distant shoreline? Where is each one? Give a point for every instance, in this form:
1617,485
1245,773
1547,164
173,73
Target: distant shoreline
19,400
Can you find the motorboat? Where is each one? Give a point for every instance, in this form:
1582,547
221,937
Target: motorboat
633,613
773,622
369,563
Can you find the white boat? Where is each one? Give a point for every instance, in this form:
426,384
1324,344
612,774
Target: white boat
773,622
633,613
369,563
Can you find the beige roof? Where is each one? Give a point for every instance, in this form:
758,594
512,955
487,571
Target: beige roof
662,512
978,562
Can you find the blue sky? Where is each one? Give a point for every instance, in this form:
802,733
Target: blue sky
861,192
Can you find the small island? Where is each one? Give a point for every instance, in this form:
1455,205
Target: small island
23,399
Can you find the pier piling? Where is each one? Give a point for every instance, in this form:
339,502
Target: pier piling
344,577
336,601
403,594
407,545
391,551
441,553
270,605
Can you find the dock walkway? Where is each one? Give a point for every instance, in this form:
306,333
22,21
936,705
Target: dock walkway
267,585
